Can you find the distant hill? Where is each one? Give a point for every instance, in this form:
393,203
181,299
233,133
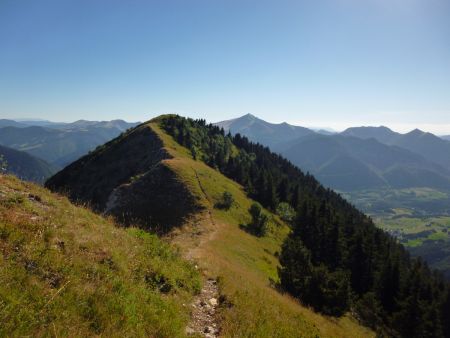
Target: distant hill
26,166
446,137
381,134
428,145
11,123
350,163
431,147
61,144
266,133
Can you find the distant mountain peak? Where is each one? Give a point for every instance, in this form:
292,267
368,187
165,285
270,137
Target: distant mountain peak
258,130
248,116
416,132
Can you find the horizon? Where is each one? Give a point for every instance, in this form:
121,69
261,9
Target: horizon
312,127
332,64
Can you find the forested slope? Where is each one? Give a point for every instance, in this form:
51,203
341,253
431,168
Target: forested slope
335,259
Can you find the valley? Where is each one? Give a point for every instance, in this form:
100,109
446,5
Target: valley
418,217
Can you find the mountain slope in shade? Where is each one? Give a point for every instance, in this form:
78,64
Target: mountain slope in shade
62,144
127,178
266,133
350,163
428,145
26,166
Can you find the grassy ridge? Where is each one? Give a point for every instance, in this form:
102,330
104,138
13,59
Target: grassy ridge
65,271
244,263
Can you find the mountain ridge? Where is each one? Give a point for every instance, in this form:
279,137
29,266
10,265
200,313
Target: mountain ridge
214,237
61,144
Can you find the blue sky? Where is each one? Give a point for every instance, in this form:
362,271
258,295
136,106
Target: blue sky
333,63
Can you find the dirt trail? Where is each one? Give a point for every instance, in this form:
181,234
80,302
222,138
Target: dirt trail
204,318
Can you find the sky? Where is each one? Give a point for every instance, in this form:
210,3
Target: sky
321,63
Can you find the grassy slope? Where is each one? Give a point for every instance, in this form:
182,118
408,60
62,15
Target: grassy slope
65,271
243,263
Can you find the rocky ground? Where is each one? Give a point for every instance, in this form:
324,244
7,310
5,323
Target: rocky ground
204,319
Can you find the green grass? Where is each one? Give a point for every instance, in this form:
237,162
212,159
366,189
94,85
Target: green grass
244,264
65,271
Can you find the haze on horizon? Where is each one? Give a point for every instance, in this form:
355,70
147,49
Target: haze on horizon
331,64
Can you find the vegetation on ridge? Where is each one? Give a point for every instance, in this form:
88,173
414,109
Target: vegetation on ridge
245,265
359,264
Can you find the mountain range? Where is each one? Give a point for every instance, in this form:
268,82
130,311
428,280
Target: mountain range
358,158
59,143
172,176
430,146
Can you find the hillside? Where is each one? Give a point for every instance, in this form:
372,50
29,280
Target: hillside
244,265
25,166
433,148
350,163
67,272
61,144
257,130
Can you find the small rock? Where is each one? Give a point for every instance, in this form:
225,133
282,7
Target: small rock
209,329
190,331
213,301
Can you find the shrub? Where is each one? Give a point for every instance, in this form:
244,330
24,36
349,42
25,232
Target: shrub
226,201
258,225
286,212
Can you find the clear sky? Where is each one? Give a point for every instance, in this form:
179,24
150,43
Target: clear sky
333,63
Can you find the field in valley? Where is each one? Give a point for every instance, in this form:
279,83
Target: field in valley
418,217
